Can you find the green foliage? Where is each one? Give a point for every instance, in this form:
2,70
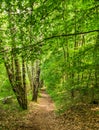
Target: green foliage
5,87
63,35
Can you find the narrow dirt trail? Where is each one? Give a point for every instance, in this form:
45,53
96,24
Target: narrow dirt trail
41,116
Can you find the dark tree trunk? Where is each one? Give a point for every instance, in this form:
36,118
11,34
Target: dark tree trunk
24,83
36,81
14,75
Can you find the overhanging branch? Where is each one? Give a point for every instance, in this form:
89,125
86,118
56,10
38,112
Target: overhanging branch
66,35
49,38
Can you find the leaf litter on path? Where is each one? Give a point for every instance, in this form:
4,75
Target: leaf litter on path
41,116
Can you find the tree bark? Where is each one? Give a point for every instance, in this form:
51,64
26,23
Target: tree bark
36,81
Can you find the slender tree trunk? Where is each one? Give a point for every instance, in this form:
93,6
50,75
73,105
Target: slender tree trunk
13,67
29,72
96,59
11,74
24,82
36,82
20,86
96,62
73,63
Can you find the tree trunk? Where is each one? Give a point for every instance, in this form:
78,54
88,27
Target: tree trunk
14,74
36,81
29,72
12,64
20,87
24,82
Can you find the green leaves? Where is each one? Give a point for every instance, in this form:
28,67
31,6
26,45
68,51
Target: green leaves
60,33
87,1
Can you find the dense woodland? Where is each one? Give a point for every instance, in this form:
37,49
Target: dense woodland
52,44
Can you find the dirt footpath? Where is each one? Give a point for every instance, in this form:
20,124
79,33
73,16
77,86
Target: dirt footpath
41,116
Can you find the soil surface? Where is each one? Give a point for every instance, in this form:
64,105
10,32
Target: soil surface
41,116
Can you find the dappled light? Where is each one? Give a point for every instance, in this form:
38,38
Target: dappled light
49,65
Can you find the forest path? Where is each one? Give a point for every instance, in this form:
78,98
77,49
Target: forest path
41,116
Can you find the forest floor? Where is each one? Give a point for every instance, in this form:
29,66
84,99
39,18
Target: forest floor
42,116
